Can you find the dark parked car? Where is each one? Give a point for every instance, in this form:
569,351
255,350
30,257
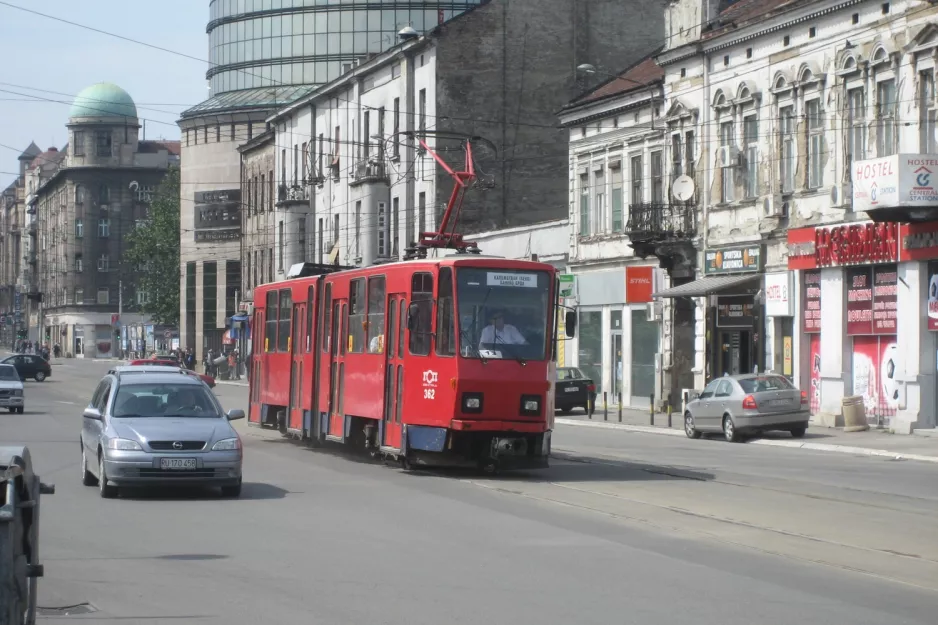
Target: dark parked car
30,366
574,390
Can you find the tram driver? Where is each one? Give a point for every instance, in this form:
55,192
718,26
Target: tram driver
501,333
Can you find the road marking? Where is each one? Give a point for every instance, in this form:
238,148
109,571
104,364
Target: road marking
70,403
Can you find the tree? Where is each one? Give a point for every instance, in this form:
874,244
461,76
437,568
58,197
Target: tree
153,253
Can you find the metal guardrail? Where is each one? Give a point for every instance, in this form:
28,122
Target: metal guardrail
20,489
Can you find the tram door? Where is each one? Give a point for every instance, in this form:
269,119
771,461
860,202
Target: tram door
297,349
394,370
257,351
337,371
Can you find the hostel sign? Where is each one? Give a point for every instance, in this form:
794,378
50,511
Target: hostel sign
897,181
733,260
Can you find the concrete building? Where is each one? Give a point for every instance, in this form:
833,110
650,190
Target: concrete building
86,199
261,57
14,277
625,217
353,185
813,118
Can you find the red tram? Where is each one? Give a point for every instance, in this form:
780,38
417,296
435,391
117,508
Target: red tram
431,361
443,361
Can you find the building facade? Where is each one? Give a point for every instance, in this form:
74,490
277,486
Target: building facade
815,130
85,200
356,187
262,56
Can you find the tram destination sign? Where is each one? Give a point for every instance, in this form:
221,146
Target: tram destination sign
499,278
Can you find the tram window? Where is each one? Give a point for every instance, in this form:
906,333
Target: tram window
270,334
422,306
356,317
286,307
327,318
310,300
445,322
376,310
256,347
392,330
402,320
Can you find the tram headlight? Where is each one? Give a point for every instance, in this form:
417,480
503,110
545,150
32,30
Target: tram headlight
530,405
472,402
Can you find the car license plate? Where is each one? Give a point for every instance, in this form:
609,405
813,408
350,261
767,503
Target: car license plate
778,402
572,389
177,464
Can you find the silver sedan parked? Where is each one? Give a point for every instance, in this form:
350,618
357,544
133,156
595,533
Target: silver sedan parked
158,427
742,404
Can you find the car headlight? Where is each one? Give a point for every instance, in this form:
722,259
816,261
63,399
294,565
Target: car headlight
472,402
227,444
123,444
16,393
530,406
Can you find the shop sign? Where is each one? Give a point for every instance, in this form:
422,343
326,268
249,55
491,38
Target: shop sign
639,284
735,312
778,294
897,181
871,300
812,302
733,260
787,356
933,296
847,244
919,241
567,285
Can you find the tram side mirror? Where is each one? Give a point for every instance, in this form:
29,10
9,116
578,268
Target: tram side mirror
570,323
413,317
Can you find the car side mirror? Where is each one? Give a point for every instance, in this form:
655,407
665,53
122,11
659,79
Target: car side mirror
570,323
92,413
234,415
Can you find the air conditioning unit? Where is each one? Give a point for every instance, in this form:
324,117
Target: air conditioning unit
775,206
654,311
841,194
723,156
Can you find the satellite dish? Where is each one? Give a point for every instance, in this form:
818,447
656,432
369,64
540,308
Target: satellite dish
683,188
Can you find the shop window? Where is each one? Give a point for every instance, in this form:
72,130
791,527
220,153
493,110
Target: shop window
445,319
270,332
422,307
376,312
591,347
644,348
356,318
286,308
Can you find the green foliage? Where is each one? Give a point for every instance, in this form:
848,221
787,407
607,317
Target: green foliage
154,246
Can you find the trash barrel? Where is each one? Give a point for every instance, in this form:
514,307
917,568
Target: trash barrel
854,414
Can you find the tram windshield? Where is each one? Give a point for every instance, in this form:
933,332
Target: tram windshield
503,313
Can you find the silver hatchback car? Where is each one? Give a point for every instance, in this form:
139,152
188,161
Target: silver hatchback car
158,426
740,404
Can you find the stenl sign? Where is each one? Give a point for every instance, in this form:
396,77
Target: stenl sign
856,244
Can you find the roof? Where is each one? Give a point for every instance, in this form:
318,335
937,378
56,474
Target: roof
103,99
30,153
743,12
152,147
261,98
52,156
636,78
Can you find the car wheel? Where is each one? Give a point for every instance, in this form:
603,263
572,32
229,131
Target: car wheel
40,376
107,490
798,432
87,477
233,491
566,409
729,430
689,428
21,409
12,409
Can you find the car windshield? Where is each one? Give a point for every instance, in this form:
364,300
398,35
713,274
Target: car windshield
8,373
502,313
164,400
765,383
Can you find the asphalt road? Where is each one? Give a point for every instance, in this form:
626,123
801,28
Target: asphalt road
624,528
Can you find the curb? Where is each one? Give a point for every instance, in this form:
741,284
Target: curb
227,383
840,449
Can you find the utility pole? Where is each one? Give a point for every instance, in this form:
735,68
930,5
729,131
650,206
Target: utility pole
120,317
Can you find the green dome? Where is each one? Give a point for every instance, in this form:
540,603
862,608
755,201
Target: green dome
103,100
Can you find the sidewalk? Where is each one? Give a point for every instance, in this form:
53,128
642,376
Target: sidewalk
921,446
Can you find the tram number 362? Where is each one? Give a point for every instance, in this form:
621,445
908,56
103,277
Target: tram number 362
429,393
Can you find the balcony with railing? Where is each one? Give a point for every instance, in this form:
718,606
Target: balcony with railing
663,230
289,194
370,170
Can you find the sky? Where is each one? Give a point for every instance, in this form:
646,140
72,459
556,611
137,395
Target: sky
40,53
